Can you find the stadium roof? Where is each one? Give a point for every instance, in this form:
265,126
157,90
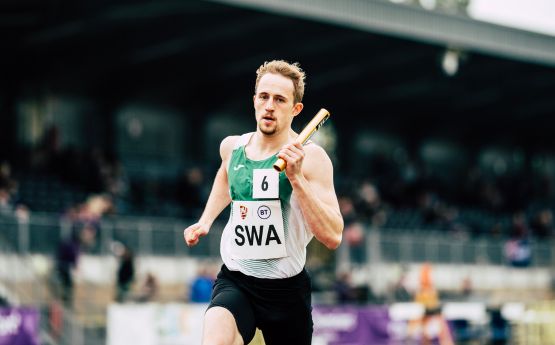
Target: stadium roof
373,69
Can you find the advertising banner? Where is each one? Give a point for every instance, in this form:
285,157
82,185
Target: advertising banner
173,324
155,324
19,326
351,325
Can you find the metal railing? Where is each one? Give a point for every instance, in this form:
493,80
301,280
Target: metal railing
145,236
58,325
164,237
417,246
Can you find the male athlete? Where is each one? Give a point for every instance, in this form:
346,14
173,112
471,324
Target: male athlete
273,217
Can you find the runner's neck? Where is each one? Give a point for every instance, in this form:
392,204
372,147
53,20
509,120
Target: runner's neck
263,146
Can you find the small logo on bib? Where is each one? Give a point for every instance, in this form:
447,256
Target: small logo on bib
243,210
264,212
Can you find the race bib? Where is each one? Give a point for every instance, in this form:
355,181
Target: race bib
265,184
257,228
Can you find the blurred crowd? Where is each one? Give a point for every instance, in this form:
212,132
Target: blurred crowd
83,186
469,200
381,191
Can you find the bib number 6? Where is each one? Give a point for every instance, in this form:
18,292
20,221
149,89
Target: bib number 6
265,184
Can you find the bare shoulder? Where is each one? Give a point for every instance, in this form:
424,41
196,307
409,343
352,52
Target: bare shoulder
314,149
227,145
316,160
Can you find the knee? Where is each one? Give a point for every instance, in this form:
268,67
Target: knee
220,328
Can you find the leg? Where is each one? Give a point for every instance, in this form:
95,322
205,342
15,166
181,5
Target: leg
66,286
229,319
287,318
220,328
290,328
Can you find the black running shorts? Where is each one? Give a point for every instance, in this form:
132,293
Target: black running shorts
280,308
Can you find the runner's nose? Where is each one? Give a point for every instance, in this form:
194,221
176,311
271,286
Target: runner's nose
269,106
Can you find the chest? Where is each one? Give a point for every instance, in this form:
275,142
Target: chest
255,180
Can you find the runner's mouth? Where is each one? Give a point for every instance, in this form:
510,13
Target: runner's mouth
268,119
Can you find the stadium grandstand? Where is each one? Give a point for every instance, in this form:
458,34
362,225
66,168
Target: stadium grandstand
441,136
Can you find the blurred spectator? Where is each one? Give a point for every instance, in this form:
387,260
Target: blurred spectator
6,180
4,302
149,289
344,289
369,205
434,326
101,169
496,230
6,206
190,191
47,155
470,191
400,292
67,257
436,212
90,211
110,174
353,232
542,223
491,196
8,189
467,289
499,327
118,186
9,208
126,271
201,288
517,248
347,209
95,207
117,183
427,294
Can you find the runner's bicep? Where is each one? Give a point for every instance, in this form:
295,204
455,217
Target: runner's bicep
319,174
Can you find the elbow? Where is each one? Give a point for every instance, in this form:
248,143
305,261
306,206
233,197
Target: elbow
331,237
334,241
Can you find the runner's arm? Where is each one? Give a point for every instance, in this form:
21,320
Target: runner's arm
219,197
316,195
218,200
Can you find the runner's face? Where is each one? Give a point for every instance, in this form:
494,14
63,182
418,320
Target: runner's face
273,104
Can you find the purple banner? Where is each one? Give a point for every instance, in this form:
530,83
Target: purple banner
19,326
350,325
372,325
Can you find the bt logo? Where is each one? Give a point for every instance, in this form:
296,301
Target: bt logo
264,212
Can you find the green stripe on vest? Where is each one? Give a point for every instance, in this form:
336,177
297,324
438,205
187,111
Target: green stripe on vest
240,177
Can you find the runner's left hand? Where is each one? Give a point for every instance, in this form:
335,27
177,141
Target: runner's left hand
293,154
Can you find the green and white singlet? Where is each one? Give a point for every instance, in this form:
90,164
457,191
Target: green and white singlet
266,235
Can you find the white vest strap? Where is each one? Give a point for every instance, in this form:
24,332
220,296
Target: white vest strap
243,140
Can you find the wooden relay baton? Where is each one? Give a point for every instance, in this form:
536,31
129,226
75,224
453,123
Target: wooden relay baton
307,132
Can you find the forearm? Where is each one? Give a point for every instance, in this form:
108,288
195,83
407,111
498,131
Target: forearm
218,200
323,220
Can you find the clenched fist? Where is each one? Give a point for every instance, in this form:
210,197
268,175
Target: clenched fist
194,232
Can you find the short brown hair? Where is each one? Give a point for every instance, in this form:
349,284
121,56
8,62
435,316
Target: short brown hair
292,71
